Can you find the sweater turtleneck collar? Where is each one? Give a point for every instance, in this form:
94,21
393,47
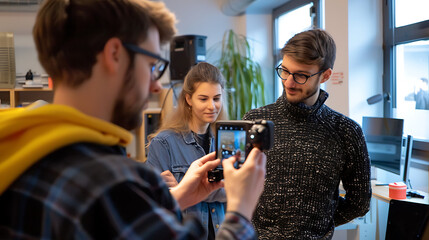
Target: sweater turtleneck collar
302,110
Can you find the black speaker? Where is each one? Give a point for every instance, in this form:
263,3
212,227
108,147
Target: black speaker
186,51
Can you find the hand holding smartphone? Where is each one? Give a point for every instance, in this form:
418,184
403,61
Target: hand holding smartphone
237,138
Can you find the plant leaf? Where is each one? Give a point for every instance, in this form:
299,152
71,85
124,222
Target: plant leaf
244,81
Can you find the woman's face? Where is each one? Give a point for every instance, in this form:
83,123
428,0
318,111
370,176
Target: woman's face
206,103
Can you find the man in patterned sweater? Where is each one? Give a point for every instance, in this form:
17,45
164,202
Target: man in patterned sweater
314,149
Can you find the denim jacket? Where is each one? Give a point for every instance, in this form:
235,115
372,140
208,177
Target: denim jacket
174,151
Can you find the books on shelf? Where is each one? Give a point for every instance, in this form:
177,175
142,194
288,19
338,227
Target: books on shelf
32,86
38,79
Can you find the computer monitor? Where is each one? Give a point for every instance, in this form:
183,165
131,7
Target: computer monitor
388,149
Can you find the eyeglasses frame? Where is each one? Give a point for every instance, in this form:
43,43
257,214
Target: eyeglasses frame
293,74
136,49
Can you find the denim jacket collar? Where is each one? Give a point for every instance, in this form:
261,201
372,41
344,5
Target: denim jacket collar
188,137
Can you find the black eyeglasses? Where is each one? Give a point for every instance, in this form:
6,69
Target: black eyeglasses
159,68
297,77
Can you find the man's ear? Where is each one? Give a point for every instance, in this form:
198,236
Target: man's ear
111,54
326,75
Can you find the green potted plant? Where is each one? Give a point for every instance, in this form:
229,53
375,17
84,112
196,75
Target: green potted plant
244,83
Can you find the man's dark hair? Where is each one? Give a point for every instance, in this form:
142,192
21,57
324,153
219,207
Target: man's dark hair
70,33
311,47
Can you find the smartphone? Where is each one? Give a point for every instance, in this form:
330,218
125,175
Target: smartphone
232,141
237,138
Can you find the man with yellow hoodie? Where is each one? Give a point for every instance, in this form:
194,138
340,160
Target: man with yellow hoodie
63,169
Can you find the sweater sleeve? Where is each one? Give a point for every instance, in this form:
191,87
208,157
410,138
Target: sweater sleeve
355,178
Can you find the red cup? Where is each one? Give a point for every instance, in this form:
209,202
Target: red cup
397,190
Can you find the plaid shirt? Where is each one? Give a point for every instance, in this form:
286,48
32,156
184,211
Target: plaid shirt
89,191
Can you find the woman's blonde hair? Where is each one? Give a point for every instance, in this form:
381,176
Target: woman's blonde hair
179,120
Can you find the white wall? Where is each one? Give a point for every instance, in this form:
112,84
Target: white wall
21,24
356,27
365,57
336,23
203,18
259,31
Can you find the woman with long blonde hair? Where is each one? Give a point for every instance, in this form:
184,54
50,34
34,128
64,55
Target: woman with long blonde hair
186,136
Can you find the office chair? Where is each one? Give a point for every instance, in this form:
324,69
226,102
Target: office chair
407,220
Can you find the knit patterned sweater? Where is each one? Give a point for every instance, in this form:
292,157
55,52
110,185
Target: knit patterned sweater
314,149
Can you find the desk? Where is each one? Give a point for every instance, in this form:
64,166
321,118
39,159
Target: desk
381,206
382,193
373,225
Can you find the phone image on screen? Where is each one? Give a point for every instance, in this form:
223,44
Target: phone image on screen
230,141
237,138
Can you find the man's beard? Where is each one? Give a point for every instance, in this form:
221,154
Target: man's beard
306,95
127,112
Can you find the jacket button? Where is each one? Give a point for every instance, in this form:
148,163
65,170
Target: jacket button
213,210
217,225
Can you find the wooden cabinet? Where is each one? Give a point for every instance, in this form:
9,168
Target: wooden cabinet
18,97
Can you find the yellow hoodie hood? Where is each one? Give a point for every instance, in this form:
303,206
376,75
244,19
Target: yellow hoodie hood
28,134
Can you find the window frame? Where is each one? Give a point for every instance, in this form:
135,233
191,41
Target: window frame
282,9
393,36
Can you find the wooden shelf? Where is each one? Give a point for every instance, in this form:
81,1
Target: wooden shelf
15,97
31,89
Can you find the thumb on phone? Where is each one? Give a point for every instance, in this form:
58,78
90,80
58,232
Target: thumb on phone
245,185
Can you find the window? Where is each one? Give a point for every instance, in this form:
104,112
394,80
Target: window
289,19
406,64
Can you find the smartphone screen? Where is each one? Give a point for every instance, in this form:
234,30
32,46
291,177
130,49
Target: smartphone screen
230,140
